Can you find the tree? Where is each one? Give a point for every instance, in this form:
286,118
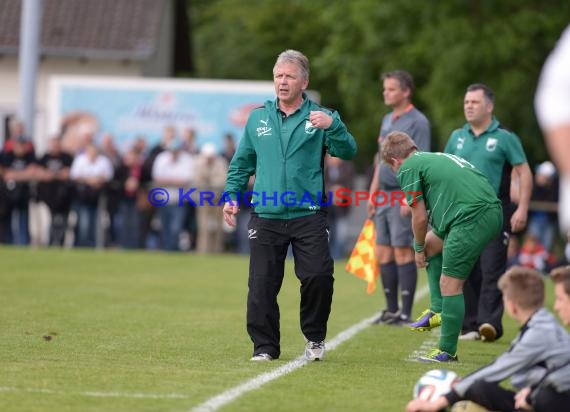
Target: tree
446,45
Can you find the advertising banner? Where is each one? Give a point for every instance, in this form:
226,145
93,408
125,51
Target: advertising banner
129,108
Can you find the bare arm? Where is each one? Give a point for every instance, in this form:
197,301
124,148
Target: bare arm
520,399
419,405
230,211
27,174
165,181
419,227
63,174
558,141
373,188
515,187
524,177
419,222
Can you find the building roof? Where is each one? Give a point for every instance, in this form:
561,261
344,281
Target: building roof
93,29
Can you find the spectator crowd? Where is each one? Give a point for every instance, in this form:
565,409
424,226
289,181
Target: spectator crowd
98,195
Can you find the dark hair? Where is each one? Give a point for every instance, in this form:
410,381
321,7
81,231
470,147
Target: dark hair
404,78
487,92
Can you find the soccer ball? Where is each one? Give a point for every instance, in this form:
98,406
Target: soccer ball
434,383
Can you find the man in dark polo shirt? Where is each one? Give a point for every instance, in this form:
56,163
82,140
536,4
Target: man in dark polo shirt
55,188
16,171
393,223
497,153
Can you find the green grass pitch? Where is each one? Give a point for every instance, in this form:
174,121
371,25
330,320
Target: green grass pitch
86,330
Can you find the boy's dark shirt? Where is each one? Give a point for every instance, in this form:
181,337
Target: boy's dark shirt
57,194
18,193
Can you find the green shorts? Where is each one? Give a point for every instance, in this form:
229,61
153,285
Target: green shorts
464,243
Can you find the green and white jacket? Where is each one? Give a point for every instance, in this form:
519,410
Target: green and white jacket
286,154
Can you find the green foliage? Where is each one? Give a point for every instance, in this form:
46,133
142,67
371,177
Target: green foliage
241,39
446,45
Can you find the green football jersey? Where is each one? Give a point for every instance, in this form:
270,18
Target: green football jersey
452,189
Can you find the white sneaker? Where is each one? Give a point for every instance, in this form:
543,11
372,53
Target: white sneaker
488,332
262,357
473,335
315,351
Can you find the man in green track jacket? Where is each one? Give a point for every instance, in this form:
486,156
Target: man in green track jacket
283,145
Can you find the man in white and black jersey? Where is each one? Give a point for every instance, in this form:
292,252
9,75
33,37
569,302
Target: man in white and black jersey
552,103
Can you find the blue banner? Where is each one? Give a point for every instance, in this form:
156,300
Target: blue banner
143,108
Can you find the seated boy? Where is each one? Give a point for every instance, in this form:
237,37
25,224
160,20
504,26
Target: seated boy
533,398
541,346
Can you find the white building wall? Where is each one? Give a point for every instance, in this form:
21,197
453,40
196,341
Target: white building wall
161,63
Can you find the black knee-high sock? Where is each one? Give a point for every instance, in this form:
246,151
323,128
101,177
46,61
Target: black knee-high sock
389,275
408,277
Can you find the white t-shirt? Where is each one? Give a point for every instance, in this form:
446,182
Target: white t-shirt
82,167
181,170
552,100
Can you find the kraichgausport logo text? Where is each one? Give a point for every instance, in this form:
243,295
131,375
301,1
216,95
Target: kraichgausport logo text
341,197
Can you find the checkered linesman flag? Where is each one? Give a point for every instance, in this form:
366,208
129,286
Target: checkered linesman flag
362,262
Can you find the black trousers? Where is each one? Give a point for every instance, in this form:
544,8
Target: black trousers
548,400
495,398
269,240
483,299
58,227
491,396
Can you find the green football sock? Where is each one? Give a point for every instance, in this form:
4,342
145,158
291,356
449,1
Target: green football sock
434,274
451,321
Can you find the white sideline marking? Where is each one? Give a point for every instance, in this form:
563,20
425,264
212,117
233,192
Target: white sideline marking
425,347
99,394
216,402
